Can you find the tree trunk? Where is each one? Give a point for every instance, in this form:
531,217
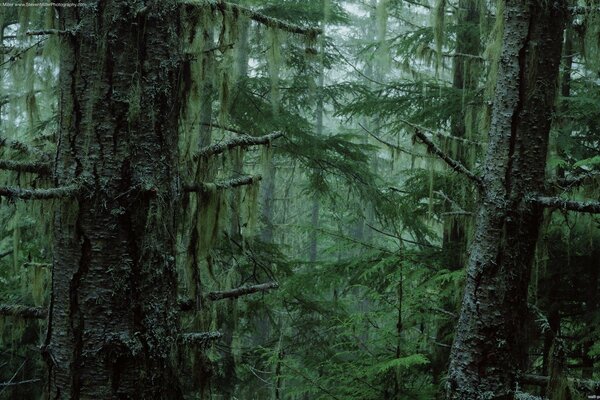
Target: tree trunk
465,78
488,350
113,324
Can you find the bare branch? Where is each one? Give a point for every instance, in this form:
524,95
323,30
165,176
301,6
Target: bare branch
452,163
239,141
200,338
38,194
569,205
31,167
233,183
6,253
256,16
16,310
26,382
242,291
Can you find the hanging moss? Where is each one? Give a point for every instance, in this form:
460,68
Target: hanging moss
274,61
439,21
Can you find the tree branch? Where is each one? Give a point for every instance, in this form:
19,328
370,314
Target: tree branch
256,16
19,146
38,194
31,167
242,291
190,304
452,163
16,310
240,141
440,134
200,338
26,382
575,181
233,183
225,128
569,205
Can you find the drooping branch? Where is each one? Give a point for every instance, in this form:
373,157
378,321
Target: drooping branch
256,16
200,338
569,205
239,141
41,168
221,185
580,384
38,194
452,163
242,291
15,310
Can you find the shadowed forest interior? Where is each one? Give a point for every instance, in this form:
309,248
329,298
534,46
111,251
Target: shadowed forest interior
300,199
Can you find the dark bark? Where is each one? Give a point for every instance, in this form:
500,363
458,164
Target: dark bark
113,323
488,350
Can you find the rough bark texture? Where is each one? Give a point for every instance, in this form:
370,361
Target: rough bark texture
488,351
113,323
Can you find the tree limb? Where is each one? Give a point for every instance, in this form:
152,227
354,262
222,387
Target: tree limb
16,310
19,146
190,304
200,338
256,16
575,181
31,167
239,141
242,291
26,382
225,128
205,187
38,194
569,205
440,134
452,163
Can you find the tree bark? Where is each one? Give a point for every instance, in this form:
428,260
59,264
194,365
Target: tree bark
488,350
113,322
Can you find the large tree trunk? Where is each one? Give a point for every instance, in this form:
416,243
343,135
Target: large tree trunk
488,350
113,324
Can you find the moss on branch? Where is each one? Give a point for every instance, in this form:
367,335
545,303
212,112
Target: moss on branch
206,187
38,194
239,141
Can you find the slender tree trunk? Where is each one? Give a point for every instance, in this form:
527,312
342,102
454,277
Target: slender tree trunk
113,324
488,350
465,78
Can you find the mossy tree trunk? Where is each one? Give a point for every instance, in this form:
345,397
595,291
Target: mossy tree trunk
488,350
113,323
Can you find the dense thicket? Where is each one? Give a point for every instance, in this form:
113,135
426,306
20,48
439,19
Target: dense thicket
300,199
